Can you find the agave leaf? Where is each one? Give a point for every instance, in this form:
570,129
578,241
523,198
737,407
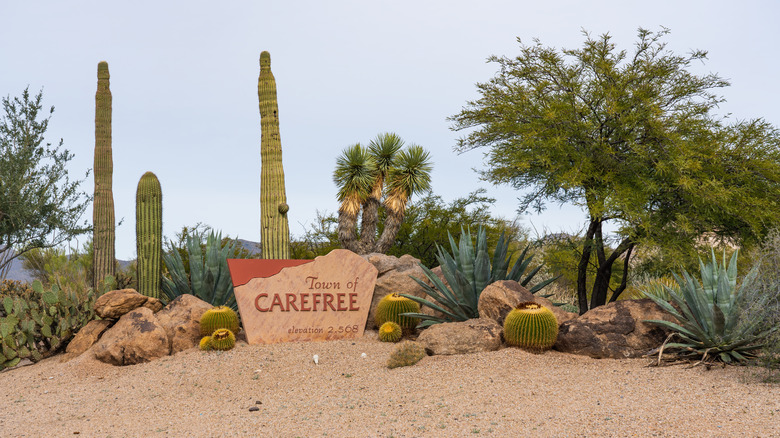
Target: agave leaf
537,287
481,273
500,259
197,276
530,275
521,264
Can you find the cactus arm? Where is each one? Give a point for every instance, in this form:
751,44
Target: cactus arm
148,229
103,238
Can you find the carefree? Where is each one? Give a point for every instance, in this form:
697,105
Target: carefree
307,302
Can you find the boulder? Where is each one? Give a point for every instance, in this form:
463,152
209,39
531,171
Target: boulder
499,298
114,304
137,337
394,277
471,336
153,304
181,321
86,338
616,330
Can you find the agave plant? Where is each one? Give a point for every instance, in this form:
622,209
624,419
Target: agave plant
709,313
468,270
208,277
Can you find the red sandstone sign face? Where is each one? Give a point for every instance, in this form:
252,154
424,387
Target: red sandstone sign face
324,299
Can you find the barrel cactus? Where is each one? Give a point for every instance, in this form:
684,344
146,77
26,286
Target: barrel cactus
275,231
221,317
223,339
531,326
390,332
103,237
407,353
148,232
205,343
392,306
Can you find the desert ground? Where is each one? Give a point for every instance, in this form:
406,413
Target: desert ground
278,391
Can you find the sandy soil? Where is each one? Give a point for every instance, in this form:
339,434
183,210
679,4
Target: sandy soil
504,393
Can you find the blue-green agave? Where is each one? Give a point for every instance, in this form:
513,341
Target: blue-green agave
209,277
710,313
468,270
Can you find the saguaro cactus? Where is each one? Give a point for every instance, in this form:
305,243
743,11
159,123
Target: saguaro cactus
103,237
148,234
275,231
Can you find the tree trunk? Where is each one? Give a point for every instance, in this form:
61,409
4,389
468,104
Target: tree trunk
368,225
347,232
624,281
582,268
392,225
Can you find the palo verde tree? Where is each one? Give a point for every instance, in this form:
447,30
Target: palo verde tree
384,174
40,207
631,138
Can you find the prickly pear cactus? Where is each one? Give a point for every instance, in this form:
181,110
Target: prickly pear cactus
390,308
103,237
390,332
531,326
222,317
275,231
223,339
148,235
35,323
407,353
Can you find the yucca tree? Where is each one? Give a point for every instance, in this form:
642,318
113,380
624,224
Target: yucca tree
382,174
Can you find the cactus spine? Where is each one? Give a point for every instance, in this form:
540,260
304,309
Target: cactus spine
390,308
275,231
103,237
390,332
148,234
222,317
223,339
531,326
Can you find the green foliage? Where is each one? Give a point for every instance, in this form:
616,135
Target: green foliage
390,332
148,232
273,198
104,261
223,340
407,353
221,317
386,175
429,219
392,307
468,270
208,277
531,326
320,238
762,303
710,314
657,287
37,322
40,207
632,138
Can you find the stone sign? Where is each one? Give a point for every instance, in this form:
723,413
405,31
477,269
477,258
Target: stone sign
323,299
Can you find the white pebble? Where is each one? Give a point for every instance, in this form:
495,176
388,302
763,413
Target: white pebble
363,355
316,359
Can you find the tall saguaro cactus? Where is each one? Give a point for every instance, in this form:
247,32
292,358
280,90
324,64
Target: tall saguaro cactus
148,234
103,237
275,231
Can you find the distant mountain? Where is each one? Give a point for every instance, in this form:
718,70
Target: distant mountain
252,247
17,272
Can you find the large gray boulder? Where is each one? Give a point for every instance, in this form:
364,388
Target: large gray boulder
137,337
471,336
616,330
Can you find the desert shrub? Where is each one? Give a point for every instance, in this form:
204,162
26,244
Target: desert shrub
763,301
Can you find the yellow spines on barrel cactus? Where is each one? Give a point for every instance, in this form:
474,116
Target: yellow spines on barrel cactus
223,339
390,308
148,235
405,354
221,317
390,332
275,231
205,343
532,326
103,237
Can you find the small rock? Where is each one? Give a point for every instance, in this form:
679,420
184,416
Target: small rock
254,409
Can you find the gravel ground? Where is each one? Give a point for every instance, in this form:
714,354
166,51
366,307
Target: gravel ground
508,392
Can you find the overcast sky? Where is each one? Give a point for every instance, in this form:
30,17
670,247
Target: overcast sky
184,86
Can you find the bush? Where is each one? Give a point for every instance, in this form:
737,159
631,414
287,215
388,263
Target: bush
763,302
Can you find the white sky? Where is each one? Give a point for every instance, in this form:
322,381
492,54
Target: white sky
184,86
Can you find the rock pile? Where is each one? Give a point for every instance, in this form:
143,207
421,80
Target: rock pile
137,329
